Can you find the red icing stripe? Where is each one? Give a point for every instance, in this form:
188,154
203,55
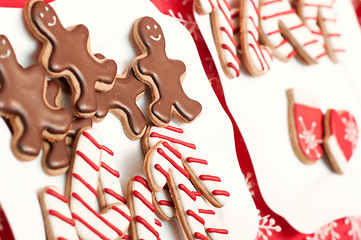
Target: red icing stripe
198,235
297,26
221,192
61,238
196,160
211,3
195,216
321,55
198,194
157,222
255,8
318,5
162,171
85,183
217,230
96,144
187,191
90,227
316,33
114,172
274,32
172,150
174,129
226,47
231,65
174,164
121,212
147,225
104,220
334,35
108,150
271,2
310,42
284,41
172,140
229,36
57,195
115,195
292,11
254,24
126,237
165,203
292,54
144,201
225,15
142,181
87,160
207,211
329,19
259,60
61,217
209,178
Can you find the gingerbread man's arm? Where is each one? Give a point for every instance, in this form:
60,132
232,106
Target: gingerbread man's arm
81,31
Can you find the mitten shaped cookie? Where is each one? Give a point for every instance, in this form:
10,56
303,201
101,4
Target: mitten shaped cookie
22,100
163,75
66,53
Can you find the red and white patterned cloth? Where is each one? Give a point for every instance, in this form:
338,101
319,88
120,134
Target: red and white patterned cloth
271,226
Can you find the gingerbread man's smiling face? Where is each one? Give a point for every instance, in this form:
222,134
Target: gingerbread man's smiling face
44,16
150,32
6,49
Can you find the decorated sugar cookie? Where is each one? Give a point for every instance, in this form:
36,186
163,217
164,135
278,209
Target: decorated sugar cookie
145,224
82,188
257,58
223,30
320,17
22,101
66,53
163,75
164,205
305,123
341,136
163,165
285,33
121,101
55,157
201,175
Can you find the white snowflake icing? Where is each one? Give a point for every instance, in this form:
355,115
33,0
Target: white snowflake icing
309,137
351,131
251,183
355,227
188,22
326,231
267,226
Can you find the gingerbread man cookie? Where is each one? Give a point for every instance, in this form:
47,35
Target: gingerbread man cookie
163,75
66,54
55,158
121,101
22,100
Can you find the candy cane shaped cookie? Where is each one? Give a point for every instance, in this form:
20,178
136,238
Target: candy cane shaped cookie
201,175
58,221
256,57
113,220
278,19
163,165
164,206
320,17
145,224
223,30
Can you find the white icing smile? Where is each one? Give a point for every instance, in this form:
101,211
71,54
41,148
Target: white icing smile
53,23
156,38
8,52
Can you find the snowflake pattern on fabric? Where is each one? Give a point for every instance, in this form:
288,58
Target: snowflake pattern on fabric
251,183
328,231
355,227
309,137
267,226
351,131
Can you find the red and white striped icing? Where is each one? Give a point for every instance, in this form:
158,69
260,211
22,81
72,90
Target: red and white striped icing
60,222
165,203
115,218
198,165
258,58
322,10
221,10
146,223
165,164
274,11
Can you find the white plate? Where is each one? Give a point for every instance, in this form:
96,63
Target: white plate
307,196
110,24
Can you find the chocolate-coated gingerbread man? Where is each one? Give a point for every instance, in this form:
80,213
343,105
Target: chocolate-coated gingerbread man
66,54
56,158
121,102
163,75
22,101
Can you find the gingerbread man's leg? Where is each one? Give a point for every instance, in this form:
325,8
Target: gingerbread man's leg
57,155
162,110
30,140
136,119
58,121
189,109
86,103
